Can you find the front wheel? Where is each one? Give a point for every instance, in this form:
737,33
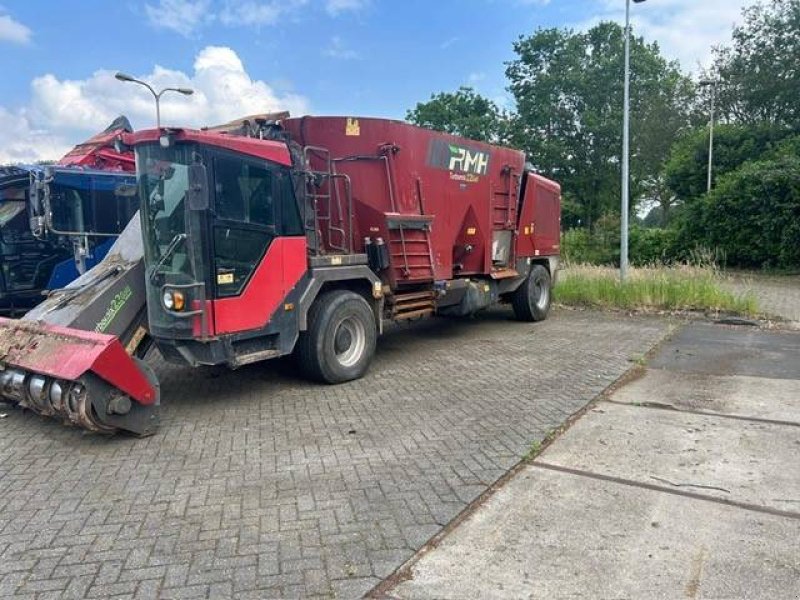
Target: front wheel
531,300
340,341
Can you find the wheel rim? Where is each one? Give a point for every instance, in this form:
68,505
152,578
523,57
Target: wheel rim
540,294
349,341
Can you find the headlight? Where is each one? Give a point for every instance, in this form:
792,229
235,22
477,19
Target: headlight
174,300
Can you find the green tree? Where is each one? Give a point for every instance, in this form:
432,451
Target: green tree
760,72
687,167
752,217
464,112
568,88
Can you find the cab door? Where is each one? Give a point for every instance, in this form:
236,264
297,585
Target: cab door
244,223
258,246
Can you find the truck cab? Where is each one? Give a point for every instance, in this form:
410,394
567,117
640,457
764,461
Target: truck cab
56,222
229,272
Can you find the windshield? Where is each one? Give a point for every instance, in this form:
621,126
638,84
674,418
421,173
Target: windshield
163,181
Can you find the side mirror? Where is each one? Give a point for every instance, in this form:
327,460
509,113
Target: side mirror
197,195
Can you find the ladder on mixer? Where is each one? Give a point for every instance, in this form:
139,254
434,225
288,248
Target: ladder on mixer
504,201
332,223
410,247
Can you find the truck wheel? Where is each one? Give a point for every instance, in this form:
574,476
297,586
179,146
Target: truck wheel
340,341
531,300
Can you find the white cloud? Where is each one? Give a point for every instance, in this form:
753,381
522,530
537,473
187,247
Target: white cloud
21,141
685,30
338,49
448,42
475,77
254,13
183,16
13,31
335,7
188,17
64,112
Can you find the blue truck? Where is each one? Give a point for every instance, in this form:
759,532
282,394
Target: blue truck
57,221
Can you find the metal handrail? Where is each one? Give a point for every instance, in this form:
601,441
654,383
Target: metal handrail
337,221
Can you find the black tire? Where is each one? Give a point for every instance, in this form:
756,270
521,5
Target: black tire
531,300
340,341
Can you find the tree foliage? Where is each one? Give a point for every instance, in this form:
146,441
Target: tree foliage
758,73
687,167
752,216
568,88
464,112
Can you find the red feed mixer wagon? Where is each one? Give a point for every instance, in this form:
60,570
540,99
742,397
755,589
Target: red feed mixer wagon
273,236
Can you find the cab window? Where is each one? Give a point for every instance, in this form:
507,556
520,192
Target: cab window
244,222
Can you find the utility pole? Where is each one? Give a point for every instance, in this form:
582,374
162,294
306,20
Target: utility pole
712,83
626,142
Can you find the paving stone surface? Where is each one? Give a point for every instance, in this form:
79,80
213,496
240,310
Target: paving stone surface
778,296
261,485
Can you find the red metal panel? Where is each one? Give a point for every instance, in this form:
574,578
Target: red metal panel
68,354
268,150
98,153
546,227
429,172
283,265
540,218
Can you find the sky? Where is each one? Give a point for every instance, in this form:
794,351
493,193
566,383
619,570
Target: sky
344,57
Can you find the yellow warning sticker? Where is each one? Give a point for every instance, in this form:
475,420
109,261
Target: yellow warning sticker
527,230
224,278
352,127
471,230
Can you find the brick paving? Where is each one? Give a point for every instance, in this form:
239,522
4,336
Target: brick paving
777,296
261,485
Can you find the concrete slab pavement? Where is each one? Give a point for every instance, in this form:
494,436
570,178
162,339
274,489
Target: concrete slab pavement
554,535
635,501
734,395
727,350
733,459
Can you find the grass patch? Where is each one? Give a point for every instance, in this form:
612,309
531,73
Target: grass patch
680,287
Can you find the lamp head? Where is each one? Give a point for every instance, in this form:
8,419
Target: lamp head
123,76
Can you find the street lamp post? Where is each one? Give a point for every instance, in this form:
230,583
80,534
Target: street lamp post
157,95
712,83
626,142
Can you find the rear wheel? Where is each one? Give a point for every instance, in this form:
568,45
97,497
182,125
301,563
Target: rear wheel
340,341
531,300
